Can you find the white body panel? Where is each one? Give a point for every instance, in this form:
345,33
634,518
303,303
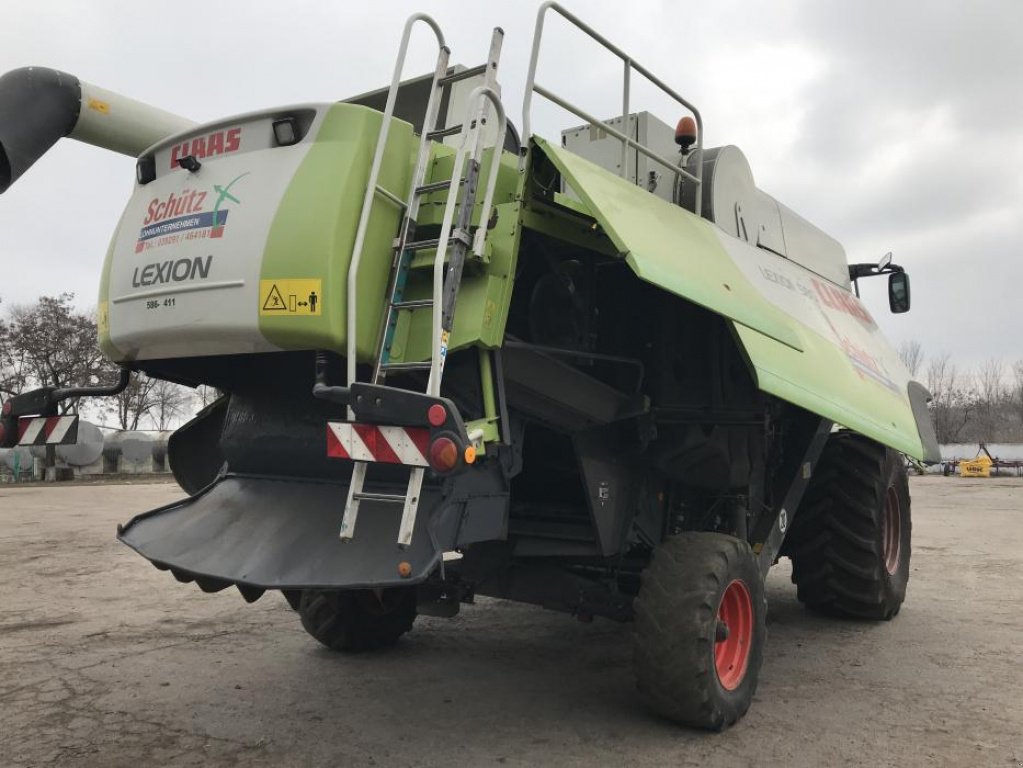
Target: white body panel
189,249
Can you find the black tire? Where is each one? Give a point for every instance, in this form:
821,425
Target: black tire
847,559
676,630
359,619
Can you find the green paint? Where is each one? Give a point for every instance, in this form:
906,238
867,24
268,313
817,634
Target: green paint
484,296
107,346
224,193
313,230
487,385
682,253
670,247
822,380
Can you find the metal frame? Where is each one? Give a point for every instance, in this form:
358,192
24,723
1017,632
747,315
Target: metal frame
629,65
772,542
470,130
374,173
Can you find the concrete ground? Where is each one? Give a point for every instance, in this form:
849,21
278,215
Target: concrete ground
105,661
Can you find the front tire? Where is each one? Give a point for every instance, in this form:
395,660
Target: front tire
851,540
700,630
359,619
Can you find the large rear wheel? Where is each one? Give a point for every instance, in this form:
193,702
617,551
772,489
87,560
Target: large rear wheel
358,619
850,541
700,630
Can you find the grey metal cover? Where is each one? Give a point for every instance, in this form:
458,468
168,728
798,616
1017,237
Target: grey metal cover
262,533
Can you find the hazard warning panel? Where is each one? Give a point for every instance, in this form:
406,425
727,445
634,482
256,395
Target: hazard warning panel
290,298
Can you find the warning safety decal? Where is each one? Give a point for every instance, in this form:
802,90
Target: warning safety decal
290,298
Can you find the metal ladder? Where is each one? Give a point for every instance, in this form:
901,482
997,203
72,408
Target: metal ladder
454,233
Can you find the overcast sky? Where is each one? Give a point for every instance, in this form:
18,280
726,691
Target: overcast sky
893,125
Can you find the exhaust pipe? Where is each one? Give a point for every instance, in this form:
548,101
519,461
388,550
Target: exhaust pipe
38,106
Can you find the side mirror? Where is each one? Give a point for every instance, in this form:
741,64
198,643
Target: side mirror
898,292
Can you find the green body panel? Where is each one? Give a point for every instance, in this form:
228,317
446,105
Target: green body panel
107,347
809,342
313,230
484,296
669,246
819,379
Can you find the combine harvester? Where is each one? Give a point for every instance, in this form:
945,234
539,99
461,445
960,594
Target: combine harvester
604,374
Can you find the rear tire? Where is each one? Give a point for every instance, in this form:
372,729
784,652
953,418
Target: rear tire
850,542
687,669
358,619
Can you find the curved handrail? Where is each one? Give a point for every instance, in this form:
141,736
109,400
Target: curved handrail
374,174
439,345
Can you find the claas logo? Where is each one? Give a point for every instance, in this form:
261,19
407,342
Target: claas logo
216,143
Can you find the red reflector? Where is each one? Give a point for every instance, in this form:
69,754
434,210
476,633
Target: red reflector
437,414
443,454
3,434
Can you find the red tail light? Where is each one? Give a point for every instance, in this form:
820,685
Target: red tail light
443,454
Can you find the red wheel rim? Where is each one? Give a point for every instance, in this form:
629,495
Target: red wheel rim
734,636
892,531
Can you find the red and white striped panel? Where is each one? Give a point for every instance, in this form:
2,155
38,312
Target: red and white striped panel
371,442
47,430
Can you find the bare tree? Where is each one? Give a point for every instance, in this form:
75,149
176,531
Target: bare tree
1017,386
991,384
206,395
912,356
169,403
55,345
954,400
135,402
992,380
12,364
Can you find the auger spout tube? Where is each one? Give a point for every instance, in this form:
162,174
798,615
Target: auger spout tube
38,106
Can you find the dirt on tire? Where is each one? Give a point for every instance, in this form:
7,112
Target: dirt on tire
850,542
676,629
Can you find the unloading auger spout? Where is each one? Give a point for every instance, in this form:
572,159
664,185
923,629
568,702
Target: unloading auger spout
38,106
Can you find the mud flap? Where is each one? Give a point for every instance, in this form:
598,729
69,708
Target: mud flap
260,533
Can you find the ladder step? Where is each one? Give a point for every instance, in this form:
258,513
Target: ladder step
436,186
390,498
422,245
463,75
443,132
457,236
412,304
425,366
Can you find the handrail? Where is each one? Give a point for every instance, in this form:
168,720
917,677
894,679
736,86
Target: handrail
374,174
629,65
439,346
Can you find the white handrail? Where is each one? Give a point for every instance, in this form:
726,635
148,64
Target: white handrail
374,175
474,129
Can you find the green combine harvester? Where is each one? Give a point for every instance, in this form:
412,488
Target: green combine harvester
604,374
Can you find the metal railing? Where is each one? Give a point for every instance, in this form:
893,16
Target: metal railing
629,65
374,174
470,145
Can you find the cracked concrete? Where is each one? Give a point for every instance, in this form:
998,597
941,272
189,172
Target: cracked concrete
105,661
